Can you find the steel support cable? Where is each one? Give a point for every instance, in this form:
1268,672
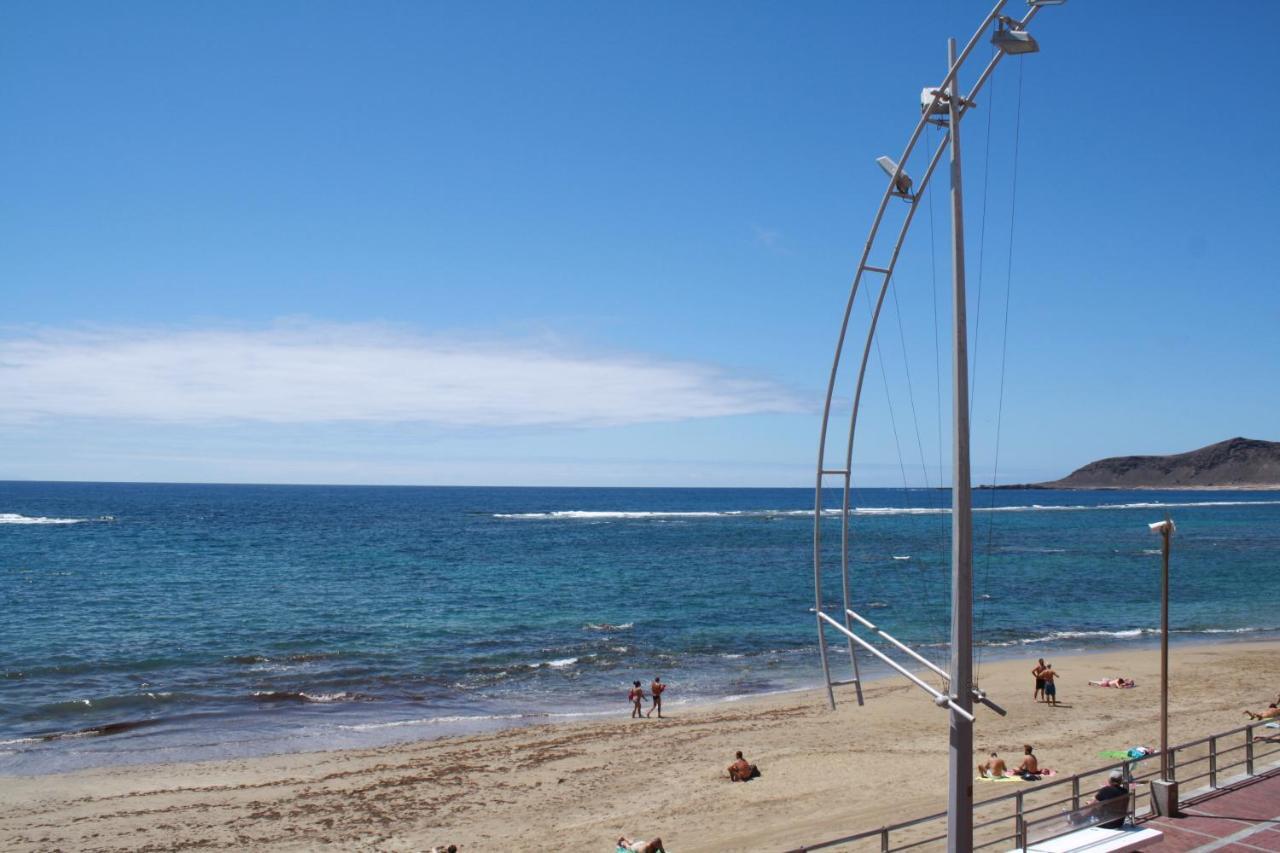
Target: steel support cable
943,535
893,421
937,345
911,396
915,420
982,249
1004,351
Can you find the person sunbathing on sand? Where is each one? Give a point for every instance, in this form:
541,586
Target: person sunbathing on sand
1272,713
742,771
993,767
1118,681
640,846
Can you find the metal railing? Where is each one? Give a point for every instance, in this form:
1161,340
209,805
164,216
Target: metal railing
1003,821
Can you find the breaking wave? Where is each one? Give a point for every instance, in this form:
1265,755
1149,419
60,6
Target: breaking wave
14,518
1125,634
302,697
639,515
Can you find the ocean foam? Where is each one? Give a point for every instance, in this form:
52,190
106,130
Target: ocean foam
639,515
427,721
14,518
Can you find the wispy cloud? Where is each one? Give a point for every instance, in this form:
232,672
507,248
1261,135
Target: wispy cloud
770,239
313,373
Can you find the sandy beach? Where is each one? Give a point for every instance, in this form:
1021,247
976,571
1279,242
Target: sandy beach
824,773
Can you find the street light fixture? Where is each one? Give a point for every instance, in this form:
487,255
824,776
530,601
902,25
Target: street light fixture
902,183
1014,42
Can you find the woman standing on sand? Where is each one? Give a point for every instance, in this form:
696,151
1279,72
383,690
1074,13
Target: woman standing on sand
636,695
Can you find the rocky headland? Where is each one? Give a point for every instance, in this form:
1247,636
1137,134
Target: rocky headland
1237,463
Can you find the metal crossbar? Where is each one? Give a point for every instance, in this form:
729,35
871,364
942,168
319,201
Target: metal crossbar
939,699
1261,748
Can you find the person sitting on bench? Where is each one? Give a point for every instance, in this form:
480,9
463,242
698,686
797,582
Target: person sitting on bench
1108,802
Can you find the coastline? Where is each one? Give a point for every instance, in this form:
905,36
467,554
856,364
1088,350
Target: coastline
1058,487
584,782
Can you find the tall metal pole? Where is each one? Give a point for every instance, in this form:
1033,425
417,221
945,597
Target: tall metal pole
1164,651
960,785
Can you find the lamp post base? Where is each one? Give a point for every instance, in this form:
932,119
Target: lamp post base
1164,798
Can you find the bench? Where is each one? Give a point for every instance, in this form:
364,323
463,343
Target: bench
1095,839
1099,827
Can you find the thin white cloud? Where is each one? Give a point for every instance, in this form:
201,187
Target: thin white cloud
311,373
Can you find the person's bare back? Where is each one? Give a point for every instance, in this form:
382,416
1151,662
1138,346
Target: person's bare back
1050,686
742,770
1030,764
994,767
1272,713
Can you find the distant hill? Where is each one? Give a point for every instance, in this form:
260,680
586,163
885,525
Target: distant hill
1241,463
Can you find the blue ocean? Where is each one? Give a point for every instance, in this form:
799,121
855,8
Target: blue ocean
145,623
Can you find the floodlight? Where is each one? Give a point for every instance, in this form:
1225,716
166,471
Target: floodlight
902,185
940,107
1014,41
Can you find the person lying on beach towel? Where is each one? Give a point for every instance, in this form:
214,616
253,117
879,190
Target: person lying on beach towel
653,845
741,771
1272,713
1118,681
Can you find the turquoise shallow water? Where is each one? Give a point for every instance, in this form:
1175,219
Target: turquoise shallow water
159,622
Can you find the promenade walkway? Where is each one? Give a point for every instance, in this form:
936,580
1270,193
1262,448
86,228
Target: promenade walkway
1243,816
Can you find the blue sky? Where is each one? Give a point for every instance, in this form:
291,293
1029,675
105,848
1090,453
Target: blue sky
563,244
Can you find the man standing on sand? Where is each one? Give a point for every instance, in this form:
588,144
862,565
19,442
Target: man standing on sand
1035,671
1050,688
655,691
636,695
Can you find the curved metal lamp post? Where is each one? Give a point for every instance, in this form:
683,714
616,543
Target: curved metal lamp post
941,105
